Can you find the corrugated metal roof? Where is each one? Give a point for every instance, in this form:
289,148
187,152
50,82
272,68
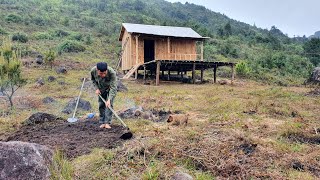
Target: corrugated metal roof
170,31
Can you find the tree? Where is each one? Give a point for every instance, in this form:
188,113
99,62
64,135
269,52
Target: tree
312,51
49,57
10,71
227,29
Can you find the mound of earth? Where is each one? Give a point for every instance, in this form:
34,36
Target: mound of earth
73,139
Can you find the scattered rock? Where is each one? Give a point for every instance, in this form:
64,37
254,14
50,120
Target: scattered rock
39,59
39,118
121,87
22,160
223,82
248,148
51,78
39,82
61,70
297,165
88,86
83,104
303,138
130,112
181,176
48,100
62,83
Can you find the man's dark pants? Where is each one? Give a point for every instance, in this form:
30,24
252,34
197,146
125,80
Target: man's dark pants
105,113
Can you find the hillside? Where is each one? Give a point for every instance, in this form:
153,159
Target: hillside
93,26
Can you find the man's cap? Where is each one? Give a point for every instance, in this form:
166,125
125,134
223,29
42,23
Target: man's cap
102,66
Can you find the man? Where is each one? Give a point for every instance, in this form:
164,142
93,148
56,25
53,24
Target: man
104,79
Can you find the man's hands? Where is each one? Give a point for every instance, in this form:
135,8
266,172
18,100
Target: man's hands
98,92
108,103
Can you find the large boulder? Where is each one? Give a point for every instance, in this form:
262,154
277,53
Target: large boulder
181,176
39,118
22,160
61,70
39,59
83,104
121,87
315,76
48,100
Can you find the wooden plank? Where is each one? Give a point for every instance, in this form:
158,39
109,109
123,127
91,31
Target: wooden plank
144,73
201,50
137,49
194,73
158,73
202,75
168,48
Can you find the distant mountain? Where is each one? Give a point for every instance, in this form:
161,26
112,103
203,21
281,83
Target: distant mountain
316,35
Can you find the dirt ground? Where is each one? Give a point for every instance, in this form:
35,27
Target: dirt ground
73,139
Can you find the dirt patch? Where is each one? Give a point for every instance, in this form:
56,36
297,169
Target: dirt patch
303,138
73,139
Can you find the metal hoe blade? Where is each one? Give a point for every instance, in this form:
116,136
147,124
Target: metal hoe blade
72,120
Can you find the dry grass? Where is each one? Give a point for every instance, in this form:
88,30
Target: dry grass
235,132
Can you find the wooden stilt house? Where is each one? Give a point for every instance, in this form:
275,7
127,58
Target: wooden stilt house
162,48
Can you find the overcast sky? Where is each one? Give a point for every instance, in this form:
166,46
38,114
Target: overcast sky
292,17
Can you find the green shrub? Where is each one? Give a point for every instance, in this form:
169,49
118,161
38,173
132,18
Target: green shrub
42,35
23,38
49,57
13,18
76,36
3,32
60,33
242,69
70,46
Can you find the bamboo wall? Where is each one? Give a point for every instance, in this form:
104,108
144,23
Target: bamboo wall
179,49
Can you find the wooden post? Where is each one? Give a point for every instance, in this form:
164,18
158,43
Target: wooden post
194,73
202,75
144,73
137,49
201,50
232,76
168,48
215,74
136,74
158,73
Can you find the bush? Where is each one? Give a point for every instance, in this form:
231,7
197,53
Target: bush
23,38
242,69
60,33
13,18
70,46
77,37
3,32
42,35
49,57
